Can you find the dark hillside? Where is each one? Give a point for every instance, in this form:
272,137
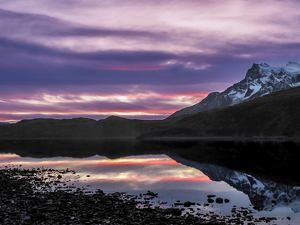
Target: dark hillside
78,127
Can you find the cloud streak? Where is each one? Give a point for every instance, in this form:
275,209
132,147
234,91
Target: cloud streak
148,104
166,52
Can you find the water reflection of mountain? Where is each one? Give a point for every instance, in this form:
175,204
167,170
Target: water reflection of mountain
273,161
263,194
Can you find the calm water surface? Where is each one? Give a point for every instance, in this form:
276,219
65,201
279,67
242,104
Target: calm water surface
175,179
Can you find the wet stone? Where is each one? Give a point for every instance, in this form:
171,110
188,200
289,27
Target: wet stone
209,200
177,204
188,204
219,200
23,202
211,196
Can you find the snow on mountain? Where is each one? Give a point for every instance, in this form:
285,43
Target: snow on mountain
261,79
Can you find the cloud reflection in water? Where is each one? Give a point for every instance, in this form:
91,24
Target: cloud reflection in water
123,174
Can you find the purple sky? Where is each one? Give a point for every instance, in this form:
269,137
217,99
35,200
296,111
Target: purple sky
136,59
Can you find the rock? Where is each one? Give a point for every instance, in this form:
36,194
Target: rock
209,200
147,209
62,207
176,203
227,200
27,218
188,204
219,200
152,194
274,202
173,211
211,196
33,210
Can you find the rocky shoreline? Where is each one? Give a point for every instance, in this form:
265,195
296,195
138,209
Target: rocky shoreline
43,196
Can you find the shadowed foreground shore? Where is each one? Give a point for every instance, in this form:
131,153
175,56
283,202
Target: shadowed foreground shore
42,196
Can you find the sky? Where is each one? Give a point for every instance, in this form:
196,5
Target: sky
135,59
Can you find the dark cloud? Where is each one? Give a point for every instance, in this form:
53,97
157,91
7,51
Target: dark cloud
13,46
26,18
26,63
74,75
262,49
97,32
31,25
28,25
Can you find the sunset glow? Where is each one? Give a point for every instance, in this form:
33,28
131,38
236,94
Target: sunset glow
139,104
139,169
142,60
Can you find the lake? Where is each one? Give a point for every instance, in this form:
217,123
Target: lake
248,177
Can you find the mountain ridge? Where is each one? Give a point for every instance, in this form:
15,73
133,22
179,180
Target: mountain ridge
272,115
260,79
112,126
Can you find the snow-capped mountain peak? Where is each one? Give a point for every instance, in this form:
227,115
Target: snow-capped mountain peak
293,67
260,79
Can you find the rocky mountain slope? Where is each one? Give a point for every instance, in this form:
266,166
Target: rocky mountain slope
275,114
261,79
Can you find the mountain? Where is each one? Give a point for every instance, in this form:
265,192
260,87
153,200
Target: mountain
261,79
112,126
275,114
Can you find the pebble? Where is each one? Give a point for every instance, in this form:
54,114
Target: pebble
21,203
